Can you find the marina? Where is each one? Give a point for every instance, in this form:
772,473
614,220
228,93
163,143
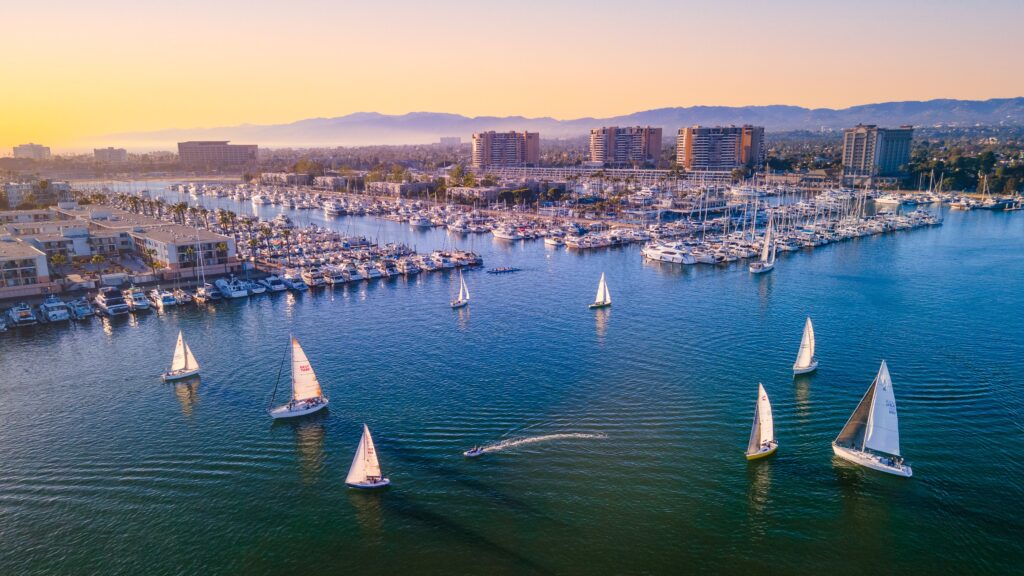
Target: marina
665,376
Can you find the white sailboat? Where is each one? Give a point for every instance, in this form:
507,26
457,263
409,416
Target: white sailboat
463,298
762,434
766,263
604,298
871,437
806,361
183,364
307,397
365,471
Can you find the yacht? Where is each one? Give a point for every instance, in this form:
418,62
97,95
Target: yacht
273,283
294,282
21,315
506,232
420,221
254,287
442,259
871,437
353,273
762,441
368,270
365,472
162,299
231,288
556,241
207,293
334,275
408,267
53,309
306,395
110,302
333,209
80,309
136,299
259,200
182,296
183,363
675,253
312,277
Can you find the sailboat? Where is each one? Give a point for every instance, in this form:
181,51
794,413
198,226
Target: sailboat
463,298
806,361
871,437
307,397
766,263
365,472
762,434
604,298
183,364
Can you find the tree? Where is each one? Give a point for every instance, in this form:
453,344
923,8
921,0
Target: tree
58,260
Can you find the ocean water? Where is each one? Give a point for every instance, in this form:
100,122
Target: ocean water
104,469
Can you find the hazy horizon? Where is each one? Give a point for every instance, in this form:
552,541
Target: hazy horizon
114,67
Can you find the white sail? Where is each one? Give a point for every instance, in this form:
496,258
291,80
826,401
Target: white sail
365,463
304,382
766,250
463,290
806,354
764,412
190,360
882,431
180,360
603,296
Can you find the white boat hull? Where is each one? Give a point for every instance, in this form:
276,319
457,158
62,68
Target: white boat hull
370,485
294,412
872,461
806,369
459,303
759,268
178,374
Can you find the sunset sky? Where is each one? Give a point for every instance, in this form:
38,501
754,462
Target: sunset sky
75,70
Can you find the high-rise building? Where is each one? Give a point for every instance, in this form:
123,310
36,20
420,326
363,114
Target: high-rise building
110,155
506,149
872,151
216,154
720,147
629,146
32,151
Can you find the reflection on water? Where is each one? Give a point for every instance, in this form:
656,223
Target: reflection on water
187,392
309,442
759,481
463,318
601,318
369,509
764,287
802,393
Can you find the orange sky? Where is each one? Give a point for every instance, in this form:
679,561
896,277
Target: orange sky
80,70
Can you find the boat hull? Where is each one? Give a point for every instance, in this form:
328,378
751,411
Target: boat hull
871,461
597,305
473,453
807,369
763,453
286,412
178,375
383,482
460,304
758,268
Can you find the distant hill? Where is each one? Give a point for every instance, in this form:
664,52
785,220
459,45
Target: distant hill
365,128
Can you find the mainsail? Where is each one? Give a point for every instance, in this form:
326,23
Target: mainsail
603,296
365,464
882,430
766,251
304,382
190,360
806,354
180,360
763,429
463,289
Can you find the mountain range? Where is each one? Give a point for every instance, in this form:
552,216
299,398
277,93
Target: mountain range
368,128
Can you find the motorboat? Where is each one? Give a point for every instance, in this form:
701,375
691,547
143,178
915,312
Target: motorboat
110,302
53,309
273,283
307,396
162,299
871,437
80,309
312,277
207,293
20,315
183,363
674,253
474,452
334,275
231,288
136,299
365,472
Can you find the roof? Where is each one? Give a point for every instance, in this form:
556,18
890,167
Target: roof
178,234
14,249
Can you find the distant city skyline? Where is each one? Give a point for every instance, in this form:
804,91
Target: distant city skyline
113,66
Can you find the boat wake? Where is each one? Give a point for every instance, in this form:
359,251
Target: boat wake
514,442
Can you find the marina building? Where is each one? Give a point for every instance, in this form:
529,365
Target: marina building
290,178
505,149
216,154
398,189
872,151
32,151
110,155
23,269
720,148
40,193
633,146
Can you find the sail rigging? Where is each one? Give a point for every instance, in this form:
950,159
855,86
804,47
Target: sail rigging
365,465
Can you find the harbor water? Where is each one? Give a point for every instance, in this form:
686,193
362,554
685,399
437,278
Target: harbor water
646,405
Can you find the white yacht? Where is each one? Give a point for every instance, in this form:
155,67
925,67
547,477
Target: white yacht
420,221
231,288
80,309
334,275
21,314
506,232
762,434
162,299
306,395
365,472
53,309
871,437
110,302
273,283
136,299
313,277
674,253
